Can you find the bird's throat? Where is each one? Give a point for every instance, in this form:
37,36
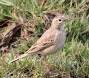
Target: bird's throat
58,27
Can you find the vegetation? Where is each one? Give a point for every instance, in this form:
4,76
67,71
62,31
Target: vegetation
71,61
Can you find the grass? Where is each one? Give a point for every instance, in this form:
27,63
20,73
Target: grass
72,59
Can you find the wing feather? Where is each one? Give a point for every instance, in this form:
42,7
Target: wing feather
45,41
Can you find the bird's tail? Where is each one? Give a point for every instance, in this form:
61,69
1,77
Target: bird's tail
21,56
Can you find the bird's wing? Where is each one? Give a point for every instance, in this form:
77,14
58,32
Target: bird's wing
47,40
41,45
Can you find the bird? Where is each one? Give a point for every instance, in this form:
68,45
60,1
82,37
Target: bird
50,42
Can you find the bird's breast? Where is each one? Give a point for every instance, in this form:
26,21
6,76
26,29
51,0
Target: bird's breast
61,39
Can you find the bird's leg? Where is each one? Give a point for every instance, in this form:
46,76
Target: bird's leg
44,62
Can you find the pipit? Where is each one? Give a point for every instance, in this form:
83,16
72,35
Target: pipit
50,42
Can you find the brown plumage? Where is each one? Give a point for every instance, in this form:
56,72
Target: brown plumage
51,41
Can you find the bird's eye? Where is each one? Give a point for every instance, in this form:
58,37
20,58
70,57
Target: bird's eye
59,19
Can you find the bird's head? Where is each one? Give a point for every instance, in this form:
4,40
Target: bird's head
60,21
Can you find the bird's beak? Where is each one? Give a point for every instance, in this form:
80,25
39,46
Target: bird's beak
67,20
